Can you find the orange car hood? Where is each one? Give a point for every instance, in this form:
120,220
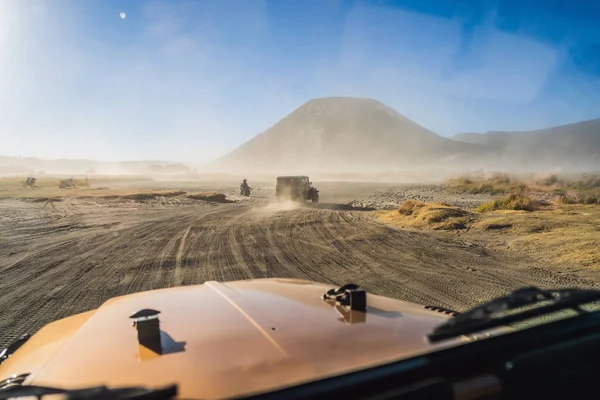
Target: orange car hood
224,339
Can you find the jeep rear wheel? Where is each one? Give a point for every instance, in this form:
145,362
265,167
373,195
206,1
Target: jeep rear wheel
315,197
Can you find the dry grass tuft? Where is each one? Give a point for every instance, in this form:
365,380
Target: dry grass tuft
437,216
514,201
209,196
120,194
589,198
410,206
497,184
567,234
143,196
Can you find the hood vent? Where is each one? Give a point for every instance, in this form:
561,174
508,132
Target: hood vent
442,310
148,329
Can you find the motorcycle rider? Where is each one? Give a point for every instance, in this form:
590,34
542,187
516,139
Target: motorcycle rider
244,187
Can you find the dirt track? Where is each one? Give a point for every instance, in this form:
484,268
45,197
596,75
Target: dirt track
55,263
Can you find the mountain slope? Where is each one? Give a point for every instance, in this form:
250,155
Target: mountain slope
575,144
342,133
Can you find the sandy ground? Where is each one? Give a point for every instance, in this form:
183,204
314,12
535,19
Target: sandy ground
390,197
68,257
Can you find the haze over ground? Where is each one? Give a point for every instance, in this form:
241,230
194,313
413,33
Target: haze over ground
191,80
344,134
364,136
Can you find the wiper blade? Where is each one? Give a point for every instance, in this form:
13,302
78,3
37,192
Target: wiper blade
482,317
14,346
94,393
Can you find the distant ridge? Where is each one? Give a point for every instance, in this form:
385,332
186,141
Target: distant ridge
26,165
570,145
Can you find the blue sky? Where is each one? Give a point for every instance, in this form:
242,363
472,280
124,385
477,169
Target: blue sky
191,80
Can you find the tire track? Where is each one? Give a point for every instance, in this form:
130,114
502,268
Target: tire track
177,277
52,268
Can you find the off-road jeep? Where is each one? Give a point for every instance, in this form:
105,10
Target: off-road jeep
296,188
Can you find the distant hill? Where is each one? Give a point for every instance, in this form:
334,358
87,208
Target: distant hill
346,134
33,165
571,145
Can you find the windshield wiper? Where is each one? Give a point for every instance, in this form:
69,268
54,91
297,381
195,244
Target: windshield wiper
93,393
482,317
14,346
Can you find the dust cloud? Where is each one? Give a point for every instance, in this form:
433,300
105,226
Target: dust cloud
357,139
281,206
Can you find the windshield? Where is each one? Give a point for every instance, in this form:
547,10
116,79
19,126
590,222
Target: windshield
453,150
